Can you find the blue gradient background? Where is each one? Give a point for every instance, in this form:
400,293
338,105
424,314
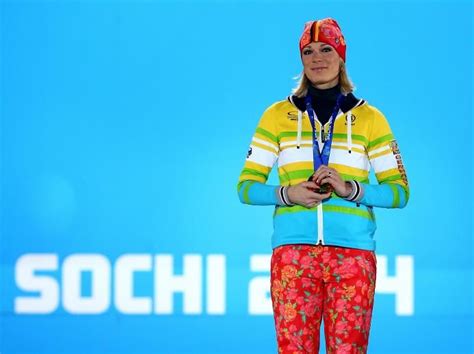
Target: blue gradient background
124,127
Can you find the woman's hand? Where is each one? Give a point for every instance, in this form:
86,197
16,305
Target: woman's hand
325,174
303,194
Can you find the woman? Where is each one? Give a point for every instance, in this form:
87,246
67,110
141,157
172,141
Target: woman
323,264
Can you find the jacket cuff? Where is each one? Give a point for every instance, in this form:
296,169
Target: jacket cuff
357,192
282,196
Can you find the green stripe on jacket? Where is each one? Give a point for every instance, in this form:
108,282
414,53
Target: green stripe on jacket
267,134
327,208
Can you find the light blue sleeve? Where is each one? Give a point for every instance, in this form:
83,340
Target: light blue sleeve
257,193
385,195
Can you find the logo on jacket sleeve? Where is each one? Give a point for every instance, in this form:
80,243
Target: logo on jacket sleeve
394,147
398,157
249,152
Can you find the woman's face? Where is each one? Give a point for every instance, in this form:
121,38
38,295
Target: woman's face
321,64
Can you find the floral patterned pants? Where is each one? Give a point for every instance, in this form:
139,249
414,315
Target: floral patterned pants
310,283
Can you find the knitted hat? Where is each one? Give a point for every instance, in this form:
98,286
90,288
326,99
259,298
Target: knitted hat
326,30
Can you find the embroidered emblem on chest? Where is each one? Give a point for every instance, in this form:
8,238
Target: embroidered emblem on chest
292,115
353,118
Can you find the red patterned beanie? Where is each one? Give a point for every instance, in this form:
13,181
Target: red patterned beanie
327,31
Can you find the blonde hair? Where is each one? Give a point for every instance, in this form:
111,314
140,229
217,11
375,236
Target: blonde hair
303,82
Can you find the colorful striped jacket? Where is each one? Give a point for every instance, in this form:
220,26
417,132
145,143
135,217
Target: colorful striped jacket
362,139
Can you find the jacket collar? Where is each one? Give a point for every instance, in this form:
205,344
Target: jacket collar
348,103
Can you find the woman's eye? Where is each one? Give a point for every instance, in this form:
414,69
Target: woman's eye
307,51
327,49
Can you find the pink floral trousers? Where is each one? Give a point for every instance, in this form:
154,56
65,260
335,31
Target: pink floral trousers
310,283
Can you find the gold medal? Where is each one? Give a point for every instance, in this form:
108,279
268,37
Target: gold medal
322,189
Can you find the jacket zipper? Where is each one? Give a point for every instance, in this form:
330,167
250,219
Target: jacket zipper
320,225
320,205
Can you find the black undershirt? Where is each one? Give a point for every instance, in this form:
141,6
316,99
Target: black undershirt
324,101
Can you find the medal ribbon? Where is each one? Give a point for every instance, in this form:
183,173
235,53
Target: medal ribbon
318,157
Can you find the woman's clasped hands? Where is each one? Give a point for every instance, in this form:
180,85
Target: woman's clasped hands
308,193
